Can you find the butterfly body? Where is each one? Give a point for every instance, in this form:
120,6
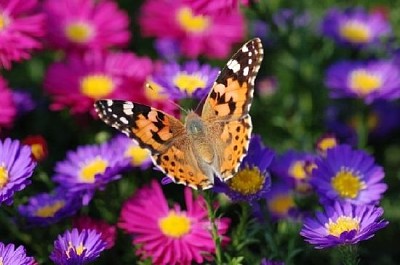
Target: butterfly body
209,144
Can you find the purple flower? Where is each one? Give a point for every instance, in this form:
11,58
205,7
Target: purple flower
281,203
139,157
355,27
16,168
77,247
90,168
252,181
167,48
348,175
188,80
295,169
270,262
285,18
48,208
15,256
23,101
342,224
369,81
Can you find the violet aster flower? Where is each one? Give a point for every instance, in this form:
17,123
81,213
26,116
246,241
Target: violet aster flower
15,256
167,48
355,27
369,81
89,168
294,168
16,168
281,203
286,18
108,232
348,175
139,157
170,235
252,181
77,247
197,33
8,110
21,27
23,101
86,24
188,80
79,81
48,208
342,224
270,262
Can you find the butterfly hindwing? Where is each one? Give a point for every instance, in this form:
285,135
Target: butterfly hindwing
151,128
233,90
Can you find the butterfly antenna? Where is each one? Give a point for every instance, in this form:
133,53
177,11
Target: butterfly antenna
169,100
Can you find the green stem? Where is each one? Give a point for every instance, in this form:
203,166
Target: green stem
208,196
349,254
362,126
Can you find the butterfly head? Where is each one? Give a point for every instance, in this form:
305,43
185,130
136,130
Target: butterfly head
194,125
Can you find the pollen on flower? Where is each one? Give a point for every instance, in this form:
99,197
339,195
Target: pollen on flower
3,176
191,22
175,225
153,91
78,250
326,143
342,224
363,82
4,21
347,184
91,169
281,204
79,32
297,170
355,32
50,210
137,154
97,86
247,181
189,83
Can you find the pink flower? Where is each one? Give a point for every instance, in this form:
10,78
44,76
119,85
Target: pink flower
198,33
108,232
169,235
80,80
20,28
86,24
8,110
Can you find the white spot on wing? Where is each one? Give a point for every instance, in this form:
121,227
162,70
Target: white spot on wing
245,49
124,120
128,111
246,71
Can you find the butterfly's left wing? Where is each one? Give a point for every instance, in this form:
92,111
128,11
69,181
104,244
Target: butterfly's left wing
151,128
226,109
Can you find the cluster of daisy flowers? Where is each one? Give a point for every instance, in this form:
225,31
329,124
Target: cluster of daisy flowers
90,42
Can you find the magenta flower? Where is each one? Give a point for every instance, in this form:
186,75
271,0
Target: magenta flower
80,80
8,109
197,33
86,24
108,232
169,235
21,26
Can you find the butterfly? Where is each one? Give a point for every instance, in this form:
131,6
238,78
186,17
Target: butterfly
212,143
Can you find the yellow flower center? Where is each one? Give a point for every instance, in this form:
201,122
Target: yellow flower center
91,169
175,225
78,250
79,32
297,170
247,181
138,155
192,23
4,22
50,210
3,176
363,83
347,184
37,151
342,224
189,83
281,204
97,86
355,32
153,92
327,143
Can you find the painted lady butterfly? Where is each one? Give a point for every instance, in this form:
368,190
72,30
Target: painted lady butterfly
213,143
